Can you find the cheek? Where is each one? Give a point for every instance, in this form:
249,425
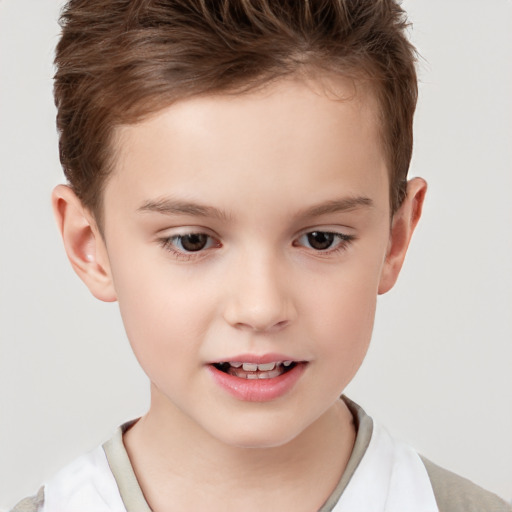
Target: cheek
344,311
344,330
165,315
345,319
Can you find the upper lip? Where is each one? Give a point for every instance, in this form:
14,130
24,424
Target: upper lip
255,358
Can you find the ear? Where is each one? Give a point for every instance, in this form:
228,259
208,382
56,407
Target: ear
83,243
404,221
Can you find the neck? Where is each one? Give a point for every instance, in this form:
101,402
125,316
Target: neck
178,462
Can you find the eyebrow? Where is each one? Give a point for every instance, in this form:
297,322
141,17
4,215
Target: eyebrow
168,206
338,205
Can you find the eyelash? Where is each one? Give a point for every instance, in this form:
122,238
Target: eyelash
343,241
169,244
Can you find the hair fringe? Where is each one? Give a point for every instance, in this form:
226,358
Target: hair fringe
120,60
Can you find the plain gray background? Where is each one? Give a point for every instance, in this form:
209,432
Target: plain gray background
438,374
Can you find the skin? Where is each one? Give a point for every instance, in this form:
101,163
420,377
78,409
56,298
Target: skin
268,166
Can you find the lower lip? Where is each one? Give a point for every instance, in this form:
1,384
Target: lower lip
258,390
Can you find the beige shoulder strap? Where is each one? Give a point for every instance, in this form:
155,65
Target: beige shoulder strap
123,472
457,494
32,504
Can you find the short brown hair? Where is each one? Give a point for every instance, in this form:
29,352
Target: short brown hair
121,60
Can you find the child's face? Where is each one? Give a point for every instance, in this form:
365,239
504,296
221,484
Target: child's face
281,202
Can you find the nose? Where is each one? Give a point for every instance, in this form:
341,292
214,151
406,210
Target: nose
259,296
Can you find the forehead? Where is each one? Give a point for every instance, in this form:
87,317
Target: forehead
294,135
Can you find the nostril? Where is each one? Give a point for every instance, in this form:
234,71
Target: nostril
254,326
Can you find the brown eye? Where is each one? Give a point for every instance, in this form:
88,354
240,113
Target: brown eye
324,242
320,240
192,242
189,245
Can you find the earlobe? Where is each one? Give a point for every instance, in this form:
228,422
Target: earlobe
83,243
403,225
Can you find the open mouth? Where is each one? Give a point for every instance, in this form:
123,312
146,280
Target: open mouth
255,371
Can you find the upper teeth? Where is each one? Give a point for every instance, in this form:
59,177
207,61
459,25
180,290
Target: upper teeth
252,367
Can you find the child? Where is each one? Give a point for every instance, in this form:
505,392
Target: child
237,178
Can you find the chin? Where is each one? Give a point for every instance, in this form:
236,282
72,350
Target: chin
260,435
257,441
